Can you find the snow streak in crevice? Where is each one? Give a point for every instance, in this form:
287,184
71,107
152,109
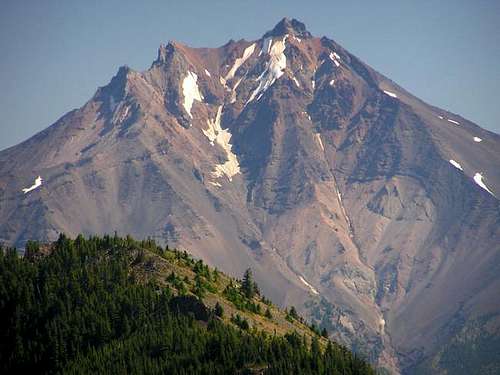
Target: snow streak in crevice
274,69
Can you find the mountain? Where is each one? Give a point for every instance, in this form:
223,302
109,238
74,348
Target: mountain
374,213
114,305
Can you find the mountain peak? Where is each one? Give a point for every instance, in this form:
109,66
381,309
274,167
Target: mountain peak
163,51
291,27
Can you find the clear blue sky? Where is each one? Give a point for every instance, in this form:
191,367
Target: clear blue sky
54,54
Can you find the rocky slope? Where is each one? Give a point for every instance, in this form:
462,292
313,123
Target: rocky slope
373,212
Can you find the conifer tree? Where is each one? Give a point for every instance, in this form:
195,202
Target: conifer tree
219,310
324,333
268,314
248,286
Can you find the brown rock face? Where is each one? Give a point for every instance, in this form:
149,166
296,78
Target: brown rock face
291,156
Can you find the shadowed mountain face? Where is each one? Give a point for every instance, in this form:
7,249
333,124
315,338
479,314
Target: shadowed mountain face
372,212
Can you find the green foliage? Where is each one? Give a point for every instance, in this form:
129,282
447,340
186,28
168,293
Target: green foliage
202,281
219,310
240,301
240,322
315,329
177,283
81,310
215,275
266,301
268,314
248,286
199,288
292,315
32,248
202,269
324,333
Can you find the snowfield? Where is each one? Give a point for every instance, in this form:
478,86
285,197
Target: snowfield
274,68
222,137
190,91
240,61
36,185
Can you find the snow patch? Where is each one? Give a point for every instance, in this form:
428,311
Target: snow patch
344,212
332,82
266,46
456,164
240,61
308,285
274,69
222,137
296,81
449,120
340,196
124,114
36,185
478,179
233,93
382,324
335,58
208,73
320,142
477,139
391,94
213,127
190,91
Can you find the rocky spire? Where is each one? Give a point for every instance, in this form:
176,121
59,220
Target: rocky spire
164,51
290,27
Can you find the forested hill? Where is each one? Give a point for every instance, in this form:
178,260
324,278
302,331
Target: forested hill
116,305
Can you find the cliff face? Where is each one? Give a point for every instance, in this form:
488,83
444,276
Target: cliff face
374,213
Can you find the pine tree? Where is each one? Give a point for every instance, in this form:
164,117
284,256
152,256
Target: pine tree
219,310
324,333
268,314
248,286
32,248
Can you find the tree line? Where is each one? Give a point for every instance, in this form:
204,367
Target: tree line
81,309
